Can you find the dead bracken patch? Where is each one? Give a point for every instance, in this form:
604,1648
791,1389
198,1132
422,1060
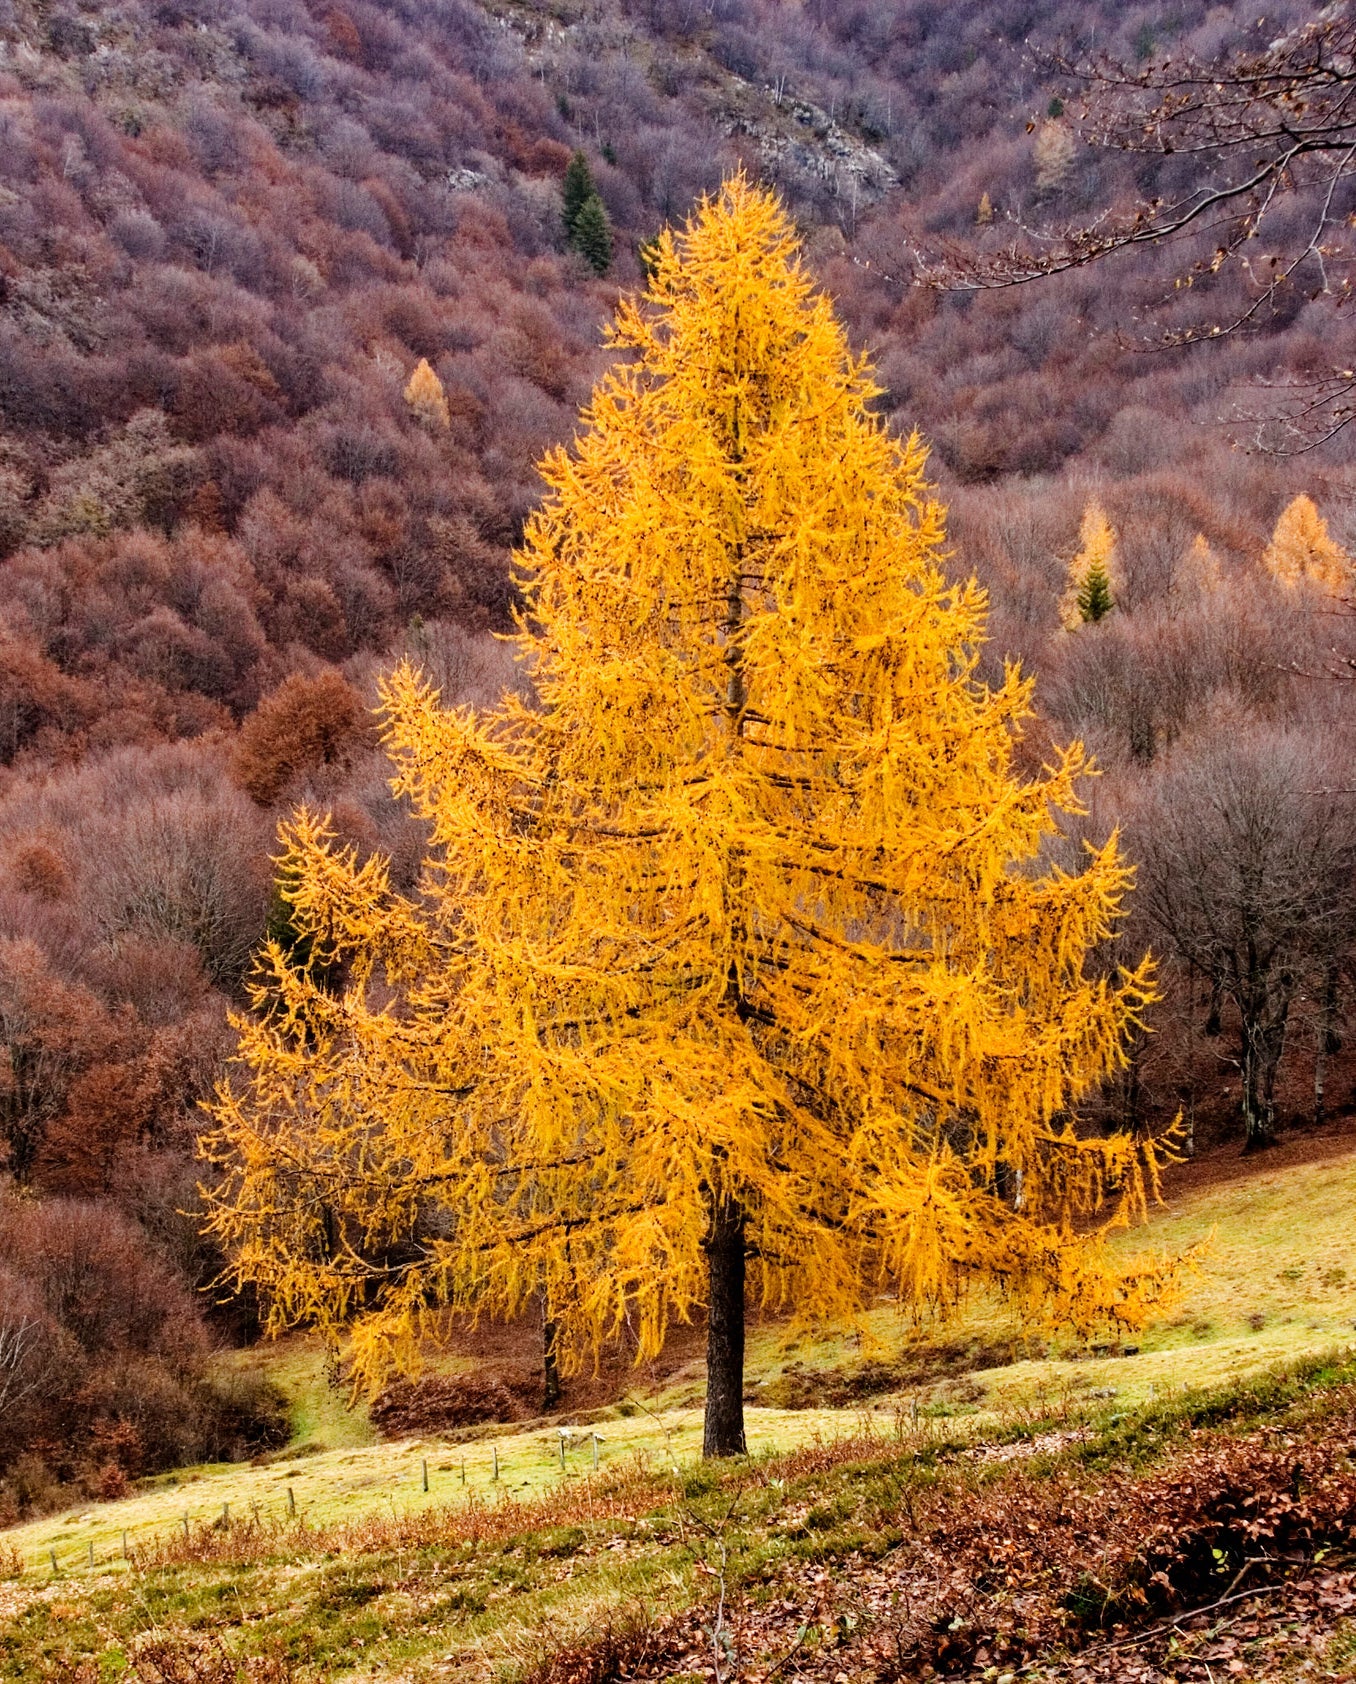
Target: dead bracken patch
799,1386
1033,1566
439,1403
175,1658
630,1647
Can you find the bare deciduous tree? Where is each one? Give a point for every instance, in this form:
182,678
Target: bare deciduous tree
1246,854
26,1356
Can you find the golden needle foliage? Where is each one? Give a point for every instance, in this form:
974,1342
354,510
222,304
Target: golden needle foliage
1055,149
426,396
752,907
1302,552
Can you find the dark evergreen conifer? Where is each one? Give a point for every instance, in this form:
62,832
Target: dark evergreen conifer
1095,601
593,235
578,189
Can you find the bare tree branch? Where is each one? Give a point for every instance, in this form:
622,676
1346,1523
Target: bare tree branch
1274,133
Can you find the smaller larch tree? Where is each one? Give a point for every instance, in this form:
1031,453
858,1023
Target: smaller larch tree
735,968
426,396
1089,595
1302,552
1054,150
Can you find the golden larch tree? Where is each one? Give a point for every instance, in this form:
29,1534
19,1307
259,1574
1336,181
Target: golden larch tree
1090,591
426,396
1301,550
1054,149
738,950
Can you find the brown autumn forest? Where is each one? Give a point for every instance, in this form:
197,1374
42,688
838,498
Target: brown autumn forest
230,230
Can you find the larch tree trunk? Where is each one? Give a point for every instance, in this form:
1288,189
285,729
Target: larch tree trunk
724,1429
723,1433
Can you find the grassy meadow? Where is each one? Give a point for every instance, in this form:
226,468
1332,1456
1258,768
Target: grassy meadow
280,1539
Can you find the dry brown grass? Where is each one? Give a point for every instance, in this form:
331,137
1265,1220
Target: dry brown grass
177,1658
620,1494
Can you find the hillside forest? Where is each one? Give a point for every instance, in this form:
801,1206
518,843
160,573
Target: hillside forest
293,299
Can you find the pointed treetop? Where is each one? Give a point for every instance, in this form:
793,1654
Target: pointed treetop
593,235
425,395
1090,593
1301,551
577,189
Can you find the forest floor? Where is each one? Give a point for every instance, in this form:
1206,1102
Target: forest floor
603,1548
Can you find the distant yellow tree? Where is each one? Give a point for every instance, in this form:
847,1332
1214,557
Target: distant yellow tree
1090,593
1302,552
425,395
1054,149
734,952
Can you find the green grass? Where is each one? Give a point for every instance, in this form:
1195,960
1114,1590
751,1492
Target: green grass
488,1590
1276,1287
345,1485
322,1414
1278,1283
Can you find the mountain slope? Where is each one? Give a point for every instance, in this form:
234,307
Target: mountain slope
230,230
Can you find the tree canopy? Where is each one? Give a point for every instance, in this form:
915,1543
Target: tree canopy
739,945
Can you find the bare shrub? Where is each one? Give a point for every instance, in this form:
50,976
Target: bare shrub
436,1403
304,724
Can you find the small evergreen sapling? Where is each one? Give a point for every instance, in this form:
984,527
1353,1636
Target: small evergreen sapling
1094,595
588,229
1090,593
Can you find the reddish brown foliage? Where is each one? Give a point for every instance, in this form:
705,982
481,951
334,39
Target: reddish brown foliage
438,1403
995,1578
1034,1564
38,869
113,1384
635,1648
304,724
